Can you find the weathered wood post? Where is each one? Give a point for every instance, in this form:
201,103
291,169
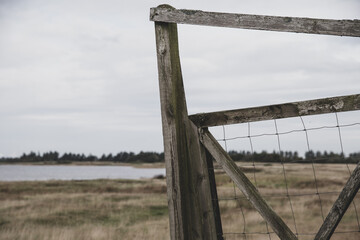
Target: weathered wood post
192,196
191,213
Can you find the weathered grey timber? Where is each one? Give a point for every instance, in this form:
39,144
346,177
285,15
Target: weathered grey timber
244,184
189,196
340,206
257,22
286,110
191,188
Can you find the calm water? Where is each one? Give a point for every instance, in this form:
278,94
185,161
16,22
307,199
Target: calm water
31,172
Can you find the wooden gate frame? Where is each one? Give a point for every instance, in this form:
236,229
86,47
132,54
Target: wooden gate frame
189,148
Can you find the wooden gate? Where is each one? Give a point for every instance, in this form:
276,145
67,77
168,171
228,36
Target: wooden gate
190,148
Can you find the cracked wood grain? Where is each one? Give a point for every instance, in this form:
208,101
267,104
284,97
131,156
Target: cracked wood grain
191,212
166,13
277,111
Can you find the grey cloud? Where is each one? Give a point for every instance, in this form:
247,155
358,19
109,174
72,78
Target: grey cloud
81,76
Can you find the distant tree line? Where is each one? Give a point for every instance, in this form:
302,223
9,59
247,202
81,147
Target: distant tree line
154,157
293,157
123,157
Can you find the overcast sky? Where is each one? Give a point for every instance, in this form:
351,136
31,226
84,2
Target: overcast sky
81,76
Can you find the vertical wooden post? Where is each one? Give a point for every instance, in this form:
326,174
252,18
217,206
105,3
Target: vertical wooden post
191,212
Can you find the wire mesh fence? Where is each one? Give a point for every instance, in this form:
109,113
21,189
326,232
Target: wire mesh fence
306,164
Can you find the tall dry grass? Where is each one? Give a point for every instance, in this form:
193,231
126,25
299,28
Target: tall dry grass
241,221
127,209
99,209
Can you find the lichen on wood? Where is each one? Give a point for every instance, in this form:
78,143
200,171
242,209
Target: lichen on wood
165,13
277,111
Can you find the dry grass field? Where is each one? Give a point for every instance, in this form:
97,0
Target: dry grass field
239,217
97,209
124,209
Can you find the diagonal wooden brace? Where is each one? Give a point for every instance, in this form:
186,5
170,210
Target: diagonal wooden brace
245,185
340,206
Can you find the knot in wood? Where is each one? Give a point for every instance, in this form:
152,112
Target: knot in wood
287,19
200,178
162,47
315,27
170,111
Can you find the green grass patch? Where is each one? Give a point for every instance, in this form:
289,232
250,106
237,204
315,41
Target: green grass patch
120,198
3,222
77,217
137,214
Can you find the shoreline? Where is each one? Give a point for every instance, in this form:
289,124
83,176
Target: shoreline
88,163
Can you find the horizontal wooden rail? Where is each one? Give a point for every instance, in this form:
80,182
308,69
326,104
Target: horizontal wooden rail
245,185
340,206
166,13
286,110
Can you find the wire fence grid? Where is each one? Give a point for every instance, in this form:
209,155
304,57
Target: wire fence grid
300,193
